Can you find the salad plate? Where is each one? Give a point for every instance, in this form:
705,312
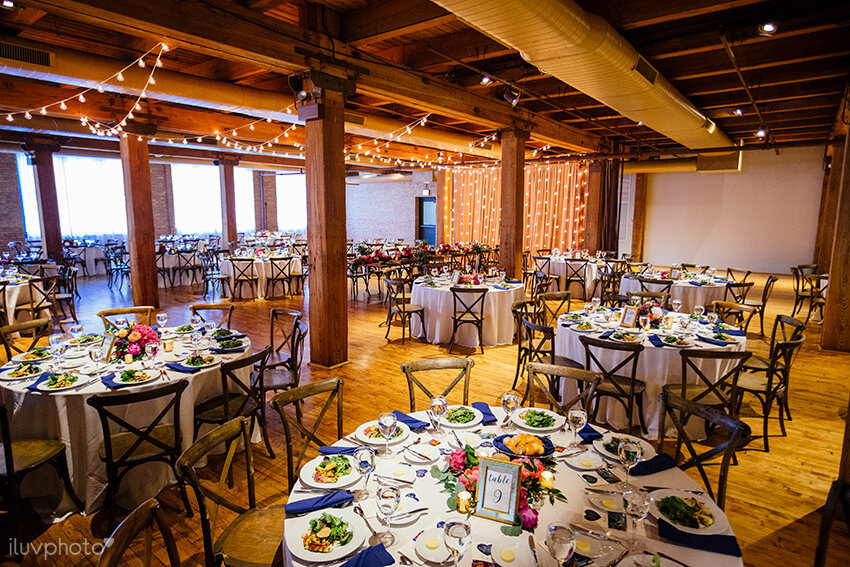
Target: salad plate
688,512
586,461
61,381
591,546
646,560
674,341
607,502
628,338
431,547
332,471
389,471
308,540
538,419
429,452
467,438
133,376
370,433
609,444
461,417
21,371
35,355
509,552
201,361
182,330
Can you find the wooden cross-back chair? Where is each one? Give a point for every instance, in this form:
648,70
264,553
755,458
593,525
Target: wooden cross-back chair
520,310
399,306
575,271
285,321
133,445
244,273
145,518
818,283
297,396
586,384
143,316
39,328
607,286
207,310
676,409
761,305
738,275
637,268
785,329
356,275
553,305
655,284
286,374
737,292
280,272
3,315
42,293
162,270
253,537
188,266
802,287
414,369
541,283
468,309
737,314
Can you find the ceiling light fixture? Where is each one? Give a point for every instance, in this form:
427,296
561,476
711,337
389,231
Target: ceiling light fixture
511,96
485,80
767,29
738,112
8,4
761,132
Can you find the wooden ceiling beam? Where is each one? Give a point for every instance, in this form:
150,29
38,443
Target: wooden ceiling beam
633,14
387,19
772,94
786,106
469,46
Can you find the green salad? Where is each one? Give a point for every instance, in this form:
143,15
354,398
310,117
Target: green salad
222,333
129,376
325,533
198,360
37,352
184,328
25,369
86,339
671,340
575,316
723,337
233,343
460,415
688,512
537,418
613,445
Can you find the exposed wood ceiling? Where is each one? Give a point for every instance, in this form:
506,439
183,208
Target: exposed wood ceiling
797,77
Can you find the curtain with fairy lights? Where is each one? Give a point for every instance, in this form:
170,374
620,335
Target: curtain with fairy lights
555,196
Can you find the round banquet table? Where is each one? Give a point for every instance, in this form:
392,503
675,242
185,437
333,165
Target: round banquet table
66,416
262,269
683,290
558,267
16,294
656,366
485,531
438,302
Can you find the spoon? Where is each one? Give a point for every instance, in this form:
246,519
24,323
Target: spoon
404,559
359,511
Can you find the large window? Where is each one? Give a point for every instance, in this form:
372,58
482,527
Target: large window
197,198
244,189
291,202
90,193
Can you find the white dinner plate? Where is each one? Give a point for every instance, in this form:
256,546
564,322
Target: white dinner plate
519,419
639,339
309,469
720,525
586,461
593,329
19,358
467,438
440,554
73,363
608,502
688,344
176,332
216,360
7,374
645,560
388,471
78,379
75,353
409,502
520,553
298,526
478,416
598,444
361,434
150,376
430,452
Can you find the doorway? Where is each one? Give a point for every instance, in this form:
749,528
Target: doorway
426,215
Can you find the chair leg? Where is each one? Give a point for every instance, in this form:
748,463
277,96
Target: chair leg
181,484
452,341
519,365
60,463
266,436
766,416
786,406
781,409
639,401
481,337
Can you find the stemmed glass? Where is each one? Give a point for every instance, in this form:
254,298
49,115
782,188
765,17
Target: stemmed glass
150,350
644,322
712,318
96,355
510,403
209,327
439,407
77,332
456,536
197,339
677,304
588,307
121,322
596,301
560,542
161,319
364,462
630,453
578,419
387,422
57,347
389,498
636,504
699,310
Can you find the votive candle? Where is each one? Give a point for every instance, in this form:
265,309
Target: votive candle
464,501
547,479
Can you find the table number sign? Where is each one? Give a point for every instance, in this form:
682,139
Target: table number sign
455,277
675,273
629,317
497,496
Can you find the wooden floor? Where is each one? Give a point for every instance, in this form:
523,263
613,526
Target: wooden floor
773,499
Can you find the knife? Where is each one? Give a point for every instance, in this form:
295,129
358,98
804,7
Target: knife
459,444
533,550
653,488
394,479
594,533
417,453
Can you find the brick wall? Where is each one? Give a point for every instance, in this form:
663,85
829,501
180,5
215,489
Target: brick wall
12,216
163,199
383,210
266,181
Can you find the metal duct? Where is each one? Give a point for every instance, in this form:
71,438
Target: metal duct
584,51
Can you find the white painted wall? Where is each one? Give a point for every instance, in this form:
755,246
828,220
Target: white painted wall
383,210
763,218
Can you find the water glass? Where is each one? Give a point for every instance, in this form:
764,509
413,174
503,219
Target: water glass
77,332
364,463
588,307
439,407
630,453
677,304
151,350
389,498
699,310
510,403
96,355
644,322
161,319
578,419
57,346
596,301
712,318
196,321
560,542
121,322
636,504
457,537
387,422
197,339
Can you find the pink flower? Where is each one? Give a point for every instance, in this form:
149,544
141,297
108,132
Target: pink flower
469,479
523,499
457,461
529,518
134,349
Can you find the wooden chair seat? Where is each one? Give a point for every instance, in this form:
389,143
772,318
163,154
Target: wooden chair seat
30,306
122,442
407,308
760,364
694,390
253,538
624,382
752,382
466,316
212,410
279,378
31,453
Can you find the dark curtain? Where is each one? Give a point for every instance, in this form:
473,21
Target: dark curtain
611,190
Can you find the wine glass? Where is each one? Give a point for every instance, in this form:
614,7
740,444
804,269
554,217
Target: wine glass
636,504
389,498
699,310
197,339
387,422
560,542
712,317
596,301
630,453
121,322
77,332
588,307
677,304
96,355
364,462
578,419
456,536
161,319
196,321
644,322
439,407
150,350
510,403
56,343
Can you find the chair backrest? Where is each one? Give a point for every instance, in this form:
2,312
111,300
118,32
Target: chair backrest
110,421
660,297
738,275
333,387
414,370
768,289
678,410
737,292
232,434
280,268
541,283
785,328
6,439
542,263
145,518
42,292
242,269
554,304
540,341
397,291
286,321
575,270
143,316
722,386
39,328
608,371
586,384
469,301
779,364
637,267
225,310
232,384
188,259
657,284
544,251
732,313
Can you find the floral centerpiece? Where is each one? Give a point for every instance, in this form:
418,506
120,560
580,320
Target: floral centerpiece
261,252
376,257
363,249
461,473
652,310
132,341
444,249
474,279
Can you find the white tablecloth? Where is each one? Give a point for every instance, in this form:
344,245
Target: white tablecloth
439,305
685,292
66,416
263,269
485,531
16,294
558,267
656,366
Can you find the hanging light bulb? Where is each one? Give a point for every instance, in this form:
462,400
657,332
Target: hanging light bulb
143,95
251,127
164,47
130,115
120,76
81,97
151,80
158,62
141,62
139,138
43,111
137,106
9,118
268,119
63,106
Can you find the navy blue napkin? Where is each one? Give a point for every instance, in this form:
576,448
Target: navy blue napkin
327,450
215,350
715,342
489,418
654,465
656,340
413,423
231,337
511,280
329,500
110,382
606,334
43,378
497,286
716,543
588,434
696,283
731,332
177,367
375,556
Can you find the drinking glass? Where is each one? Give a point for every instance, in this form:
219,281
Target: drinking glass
644,322
439,407
57,347
96,355
77,332
588,307
389,498
630,453
121,322
364,463
677,304
457,537
636,504
596,301
150,350
510,403
161,319
712,317
196,321
560,542
387,422
197,339
699,310
578,419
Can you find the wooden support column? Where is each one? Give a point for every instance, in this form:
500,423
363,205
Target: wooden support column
593,209
443,206
41,153
836,314
228,200
639,218
829,204
135,162
513,191
326,233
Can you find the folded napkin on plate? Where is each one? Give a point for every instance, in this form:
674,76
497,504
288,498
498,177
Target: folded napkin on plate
327,450
43,378
654,465
731,332
725,544
497,286
702,321
489,418
375,556
588,434
715,342
228,350
606,334
511,280
177,367
330,500
656,340
110,382
697,283
231,337
413,423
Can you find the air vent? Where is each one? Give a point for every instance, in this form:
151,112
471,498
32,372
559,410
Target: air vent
354,119
645,69
25,54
